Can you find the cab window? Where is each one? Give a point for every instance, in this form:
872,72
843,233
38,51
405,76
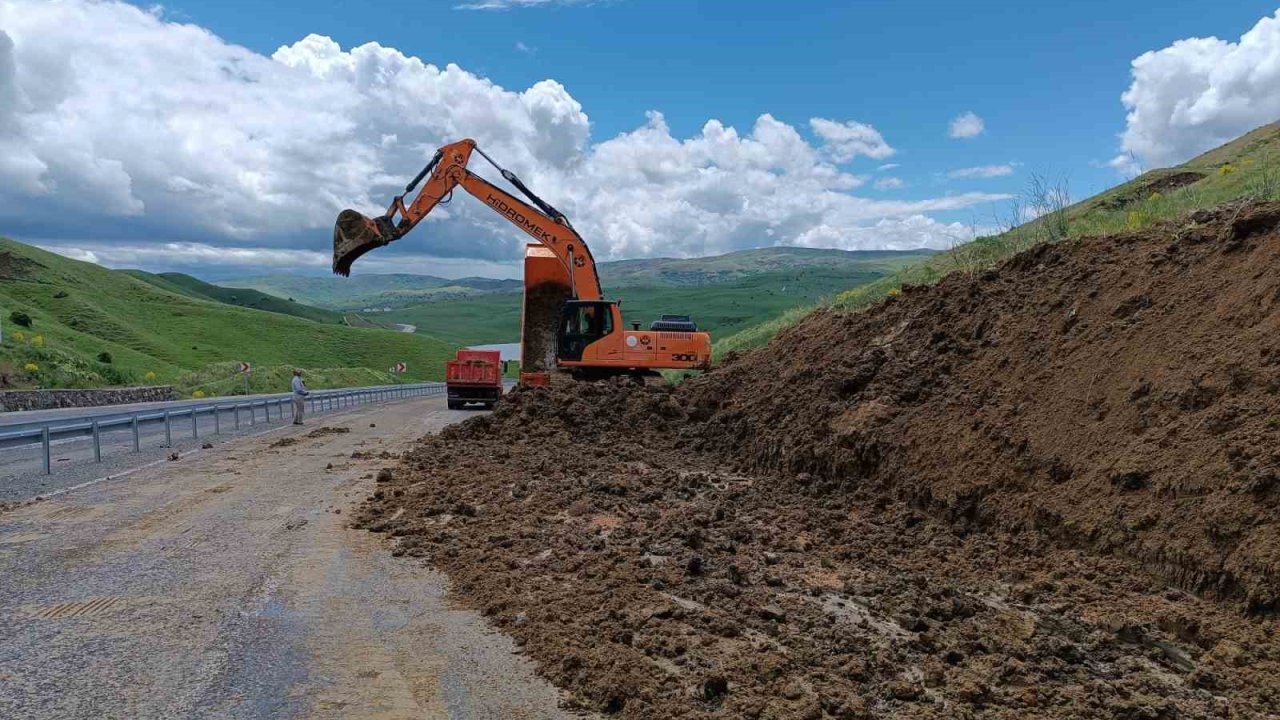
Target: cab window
581,325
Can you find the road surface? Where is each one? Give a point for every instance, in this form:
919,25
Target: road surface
226,585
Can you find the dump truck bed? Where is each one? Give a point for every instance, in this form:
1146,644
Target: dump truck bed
474,376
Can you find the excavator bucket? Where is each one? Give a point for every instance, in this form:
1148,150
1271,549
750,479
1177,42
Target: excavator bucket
354,235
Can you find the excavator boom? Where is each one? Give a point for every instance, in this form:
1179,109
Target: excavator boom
354,234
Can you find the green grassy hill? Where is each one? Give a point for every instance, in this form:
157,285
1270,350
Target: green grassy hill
1247,168
371,291
722,308
81,311
193,287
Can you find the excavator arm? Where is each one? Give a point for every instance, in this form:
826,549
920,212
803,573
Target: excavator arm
354,234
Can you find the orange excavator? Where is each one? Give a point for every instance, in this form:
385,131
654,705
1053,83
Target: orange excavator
566,324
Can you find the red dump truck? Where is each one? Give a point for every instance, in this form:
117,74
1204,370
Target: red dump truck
474,376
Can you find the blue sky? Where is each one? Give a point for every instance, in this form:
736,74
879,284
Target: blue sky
217,137
1045,77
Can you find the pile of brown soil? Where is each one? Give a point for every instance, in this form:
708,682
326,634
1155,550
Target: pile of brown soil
1120,394
973,501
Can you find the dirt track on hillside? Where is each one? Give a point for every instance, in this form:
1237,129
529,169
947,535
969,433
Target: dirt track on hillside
1046,491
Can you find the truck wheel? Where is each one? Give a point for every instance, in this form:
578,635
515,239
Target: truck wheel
455,404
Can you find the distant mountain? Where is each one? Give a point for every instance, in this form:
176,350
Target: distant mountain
371,292
374,292
684,272
192,287
724,294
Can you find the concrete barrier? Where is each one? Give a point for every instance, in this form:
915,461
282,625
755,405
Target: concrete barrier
11,400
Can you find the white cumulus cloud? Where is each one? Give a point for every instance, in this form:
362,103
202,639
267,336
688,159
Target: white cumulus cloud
889,183
847,140
966,125
509,4
904,234
982,171
1199,93
122,127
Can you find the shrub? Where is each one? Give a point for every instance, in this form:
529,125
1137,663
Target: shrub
104,357
1226,169
149,377
37,341
31,368
19,337
20,318
60,294
197,394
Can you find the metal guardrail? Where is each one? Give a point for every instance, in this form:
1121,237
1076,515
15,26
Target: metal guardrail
94,425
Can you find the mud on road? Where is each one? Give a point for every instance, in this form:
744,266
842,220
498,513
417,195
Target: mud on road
1046,491
227,585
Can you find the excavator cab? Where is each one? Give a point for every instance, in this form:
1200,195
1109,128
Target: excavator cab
582,322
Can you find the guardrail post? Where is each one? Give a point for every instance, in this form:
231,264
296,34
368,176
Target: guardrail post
97,443
217,420
44,440
195,432
236,410
137,437
253,415
168,436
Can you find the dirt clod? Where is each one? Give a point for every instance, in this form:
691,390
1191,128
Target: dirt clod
326,430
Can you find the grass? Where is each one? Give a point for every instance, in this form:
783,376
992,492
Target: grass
225,379
1247,168
722,308
81,310
192,287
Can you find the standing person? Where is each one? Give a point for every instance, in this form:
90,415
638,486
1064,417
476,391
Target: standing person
300,392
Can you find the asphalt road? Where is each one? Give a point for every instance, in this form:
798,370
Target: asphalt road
72,458
226,585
